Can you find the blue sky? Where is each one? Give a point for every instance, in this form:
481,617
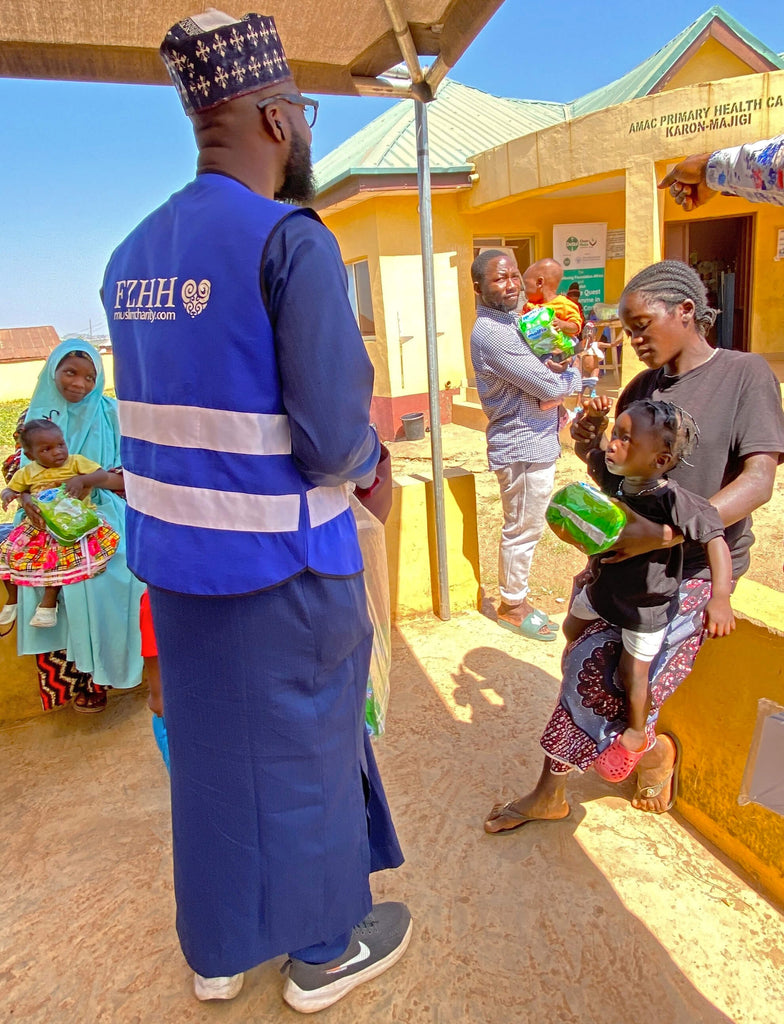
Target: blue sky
83,163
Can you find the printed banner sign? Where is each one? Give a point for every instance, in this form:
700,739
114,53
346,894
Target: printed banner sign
581,249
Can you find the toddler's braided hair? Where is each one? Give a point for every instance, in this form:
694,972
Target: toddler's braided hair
672,282
32,427
676,427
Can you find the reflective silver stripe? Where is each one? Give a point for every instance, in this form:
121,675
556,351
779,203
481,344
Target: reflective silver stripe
219,430
325,503
212,510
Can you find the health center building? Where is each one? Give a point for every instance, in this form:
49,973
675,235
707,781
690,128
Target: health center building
576,181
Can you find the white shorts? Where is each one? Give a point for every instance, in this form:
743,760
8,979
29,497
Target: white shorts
642,646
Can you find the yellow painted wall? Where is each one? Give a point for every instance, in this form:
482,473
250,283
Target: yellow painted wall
411,544
606,142
711,62
17,380
713,714
385,230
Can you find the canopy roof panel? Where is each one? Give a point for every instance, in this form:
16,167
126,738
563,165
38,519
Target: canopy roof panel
331,47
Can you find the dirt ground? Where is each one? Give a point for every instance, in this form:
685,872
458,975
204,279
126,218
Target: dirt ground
555,563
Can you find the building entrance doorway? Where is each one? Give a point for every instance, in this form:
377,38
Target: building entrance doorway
720,252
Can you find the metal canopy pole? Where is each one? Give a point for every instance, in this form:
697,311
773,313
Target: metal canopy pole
431,341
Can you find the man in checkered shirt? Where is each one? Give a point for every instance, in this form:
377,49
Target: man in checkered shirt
522,438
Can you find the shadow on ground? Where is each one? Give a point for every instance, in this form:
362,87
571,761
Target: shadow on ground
607,917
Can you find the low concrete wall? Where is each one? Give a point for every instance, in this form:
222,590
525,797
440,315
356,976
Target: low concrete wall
713,715
411,544
19,698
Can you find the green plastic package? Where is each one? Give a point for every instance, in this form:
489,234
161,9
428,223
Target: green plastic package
583,516
536,326
67,519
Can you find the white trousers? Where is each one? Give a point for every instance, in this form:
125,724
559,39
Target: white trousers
525,492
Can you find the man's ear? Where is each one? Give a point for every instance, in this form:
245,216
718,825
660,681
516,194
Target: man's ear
271,120
687,310
477,288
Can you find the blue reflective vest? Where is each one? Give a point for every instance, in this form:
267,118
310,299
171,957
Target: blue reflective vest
216,504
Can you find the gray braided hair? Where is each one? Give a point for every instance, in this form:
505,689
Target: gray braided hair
672,282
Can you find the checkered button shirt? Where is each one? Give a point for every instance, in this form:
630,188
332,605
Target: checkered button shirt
511,382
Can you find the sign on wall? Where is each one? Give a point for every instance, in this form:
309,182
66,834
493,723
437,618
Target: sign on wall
581,249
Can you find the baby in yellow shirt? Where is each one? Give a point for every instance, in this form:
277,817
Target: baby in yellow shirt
30,556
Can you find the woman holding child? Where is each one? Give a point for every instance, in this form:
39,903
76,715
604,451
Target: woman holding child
95,643
735,400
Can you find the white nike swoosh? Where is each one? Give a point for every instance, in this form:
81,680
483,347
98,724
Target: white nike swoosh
363,954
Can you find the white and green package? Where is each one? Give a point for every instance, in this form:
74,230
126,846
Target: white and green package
583,516
67,519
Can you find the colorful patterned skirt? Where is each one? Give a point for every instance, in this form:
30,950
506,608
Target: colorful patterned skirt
31,557
591,707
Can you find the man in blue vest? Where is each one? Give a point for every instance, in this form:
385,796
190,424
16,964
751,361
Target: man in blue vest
244,392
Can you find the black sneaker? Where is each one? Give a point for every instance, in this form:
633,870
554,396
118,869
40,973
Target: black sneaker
376,944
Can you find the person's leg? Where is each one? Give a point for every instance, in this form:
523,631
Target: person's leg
633,674
682,641
271,777
545,802
9,610
525,489
49,600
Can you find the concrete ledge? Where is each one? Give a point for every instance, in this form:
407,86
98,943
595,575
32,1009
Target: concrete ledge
713,714
469,414
19,698
411,544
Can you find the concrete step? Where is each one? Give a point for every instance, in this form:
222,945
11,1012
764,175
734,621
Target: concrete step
469,414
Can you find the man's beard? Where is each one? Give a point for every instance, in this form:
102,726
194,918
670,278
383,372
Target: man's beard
299,185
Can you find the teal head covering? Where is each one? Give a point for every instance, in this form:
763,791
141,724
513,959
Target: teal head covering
90,427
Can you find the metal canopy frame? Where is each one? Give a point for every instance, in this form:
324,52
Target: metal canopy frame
103,41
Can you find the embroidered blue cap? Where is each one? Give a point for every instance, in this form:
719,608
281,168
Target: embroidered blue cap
212,58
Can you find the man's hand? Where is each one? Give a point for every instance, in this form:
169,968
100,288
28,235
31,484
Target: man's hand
687,184
557,367
718,619
378,497
641,536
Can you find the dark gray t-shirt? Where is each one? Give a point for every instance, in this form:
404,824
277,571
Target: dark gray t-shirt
736,403
641,593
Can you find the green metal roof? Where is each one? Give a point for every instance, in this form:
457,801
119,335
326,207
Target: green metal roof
461,121
640,80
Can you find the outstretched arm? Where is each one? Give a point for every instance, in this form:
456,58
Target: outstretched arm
81,484
754,171
718,619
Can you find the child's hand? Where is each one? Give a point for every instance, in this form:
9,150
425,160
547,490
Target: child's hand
7,497
597,408
76,487
718,619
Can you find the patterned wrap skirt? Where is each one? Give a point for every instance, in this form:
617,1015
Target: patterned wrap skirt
591,708
31,557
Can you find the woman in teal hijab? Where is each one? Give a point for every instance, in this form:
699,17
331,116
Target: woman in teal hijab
96,642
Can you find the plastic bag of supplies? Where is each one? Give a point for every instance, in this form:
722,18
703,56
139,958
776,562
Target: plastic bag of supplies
374,555
67,519
585,517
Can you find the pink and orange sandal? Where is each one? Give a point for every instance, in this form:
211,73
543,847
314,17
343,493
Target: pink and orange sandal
616,763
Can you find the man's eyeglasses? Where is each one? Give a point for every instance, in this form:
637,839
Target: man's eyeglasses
309,106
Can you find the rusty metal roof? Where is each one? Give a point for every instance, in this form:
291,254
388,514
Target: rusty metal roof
23,344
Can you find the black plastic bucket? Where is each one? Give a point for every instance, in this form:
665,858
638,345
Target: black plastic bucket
413,425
